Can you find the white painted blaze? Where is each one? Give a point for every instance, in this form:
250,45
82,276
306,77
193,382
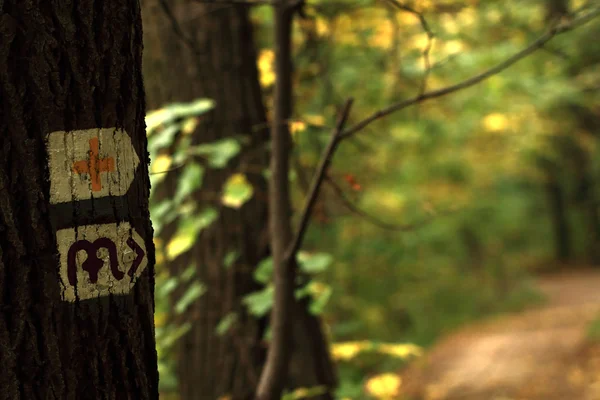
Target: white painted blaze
90,163
113,250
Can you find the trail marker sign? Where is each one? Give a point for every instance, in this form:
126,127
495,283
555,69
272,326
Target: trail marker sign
90,163
98,260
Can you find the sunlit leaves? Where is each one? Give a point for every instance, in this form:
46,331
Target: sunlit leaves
384,386
265,67
400,350
173,112
226,323
349,350
237,191
313,263
217,153
187,232
309,263
190,180
192,293
161,164
305,393
259,303
495,122
320,294
230,258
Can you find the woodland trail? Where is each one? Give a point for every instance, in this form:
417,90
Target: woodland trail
541,353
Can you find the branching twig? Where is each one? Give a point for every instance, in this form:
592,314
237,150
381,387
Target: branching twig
428,32
317,182
537,44
376,221
176,27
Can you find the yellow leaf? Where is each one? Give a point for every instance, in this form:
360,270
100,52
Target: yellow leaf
348,350
384,386
454,47
449,24
383,37
402,350
265,66
178,245
155,118
467,16
420,41
322,27
313,119
237,191
161,164
189,126
317,288
495,122
297,126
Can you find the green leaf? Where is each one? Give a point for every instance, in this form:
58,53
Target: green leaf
264,271
317,305
181,155
196,290
167,287
191,179
237,191
158,212
195,108
163,138
188,273
313,263
217,153
175,334
187,231
230,258
259,303
226,323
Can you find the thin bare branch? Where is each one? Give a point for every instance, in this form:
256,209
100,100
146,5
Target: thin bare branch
430,36
376,221
537,44
176,27
317,182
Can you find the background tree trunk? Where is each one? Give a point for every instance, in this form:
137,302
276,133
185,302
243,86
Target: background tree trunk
67,66
210,52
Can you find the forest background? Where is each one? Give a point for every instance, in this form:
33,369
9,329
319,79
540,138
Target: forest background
429,218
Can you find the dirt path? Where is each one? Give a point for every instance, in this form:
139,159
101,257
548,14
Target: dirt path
538,354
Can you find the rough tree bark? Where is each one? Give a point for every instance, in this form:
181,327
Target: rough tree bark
209,52
74,325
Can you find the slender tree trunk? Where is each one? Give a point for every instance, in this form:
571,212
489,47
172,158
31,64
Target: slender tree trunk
76,250
210,52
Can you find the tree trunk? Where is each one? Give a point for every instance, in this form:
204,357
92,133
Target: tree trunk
74,180
209,52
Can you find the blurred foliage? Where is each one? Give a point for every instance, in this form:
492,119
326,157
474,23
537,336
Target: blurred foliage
487,153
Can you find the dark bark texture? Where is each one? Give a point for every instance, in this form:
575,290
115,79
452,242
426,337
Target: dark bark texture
209,52
69,65
198,51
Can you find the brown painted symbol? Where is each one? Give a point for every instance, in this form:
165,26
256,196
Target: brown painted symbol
94,165
93,263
